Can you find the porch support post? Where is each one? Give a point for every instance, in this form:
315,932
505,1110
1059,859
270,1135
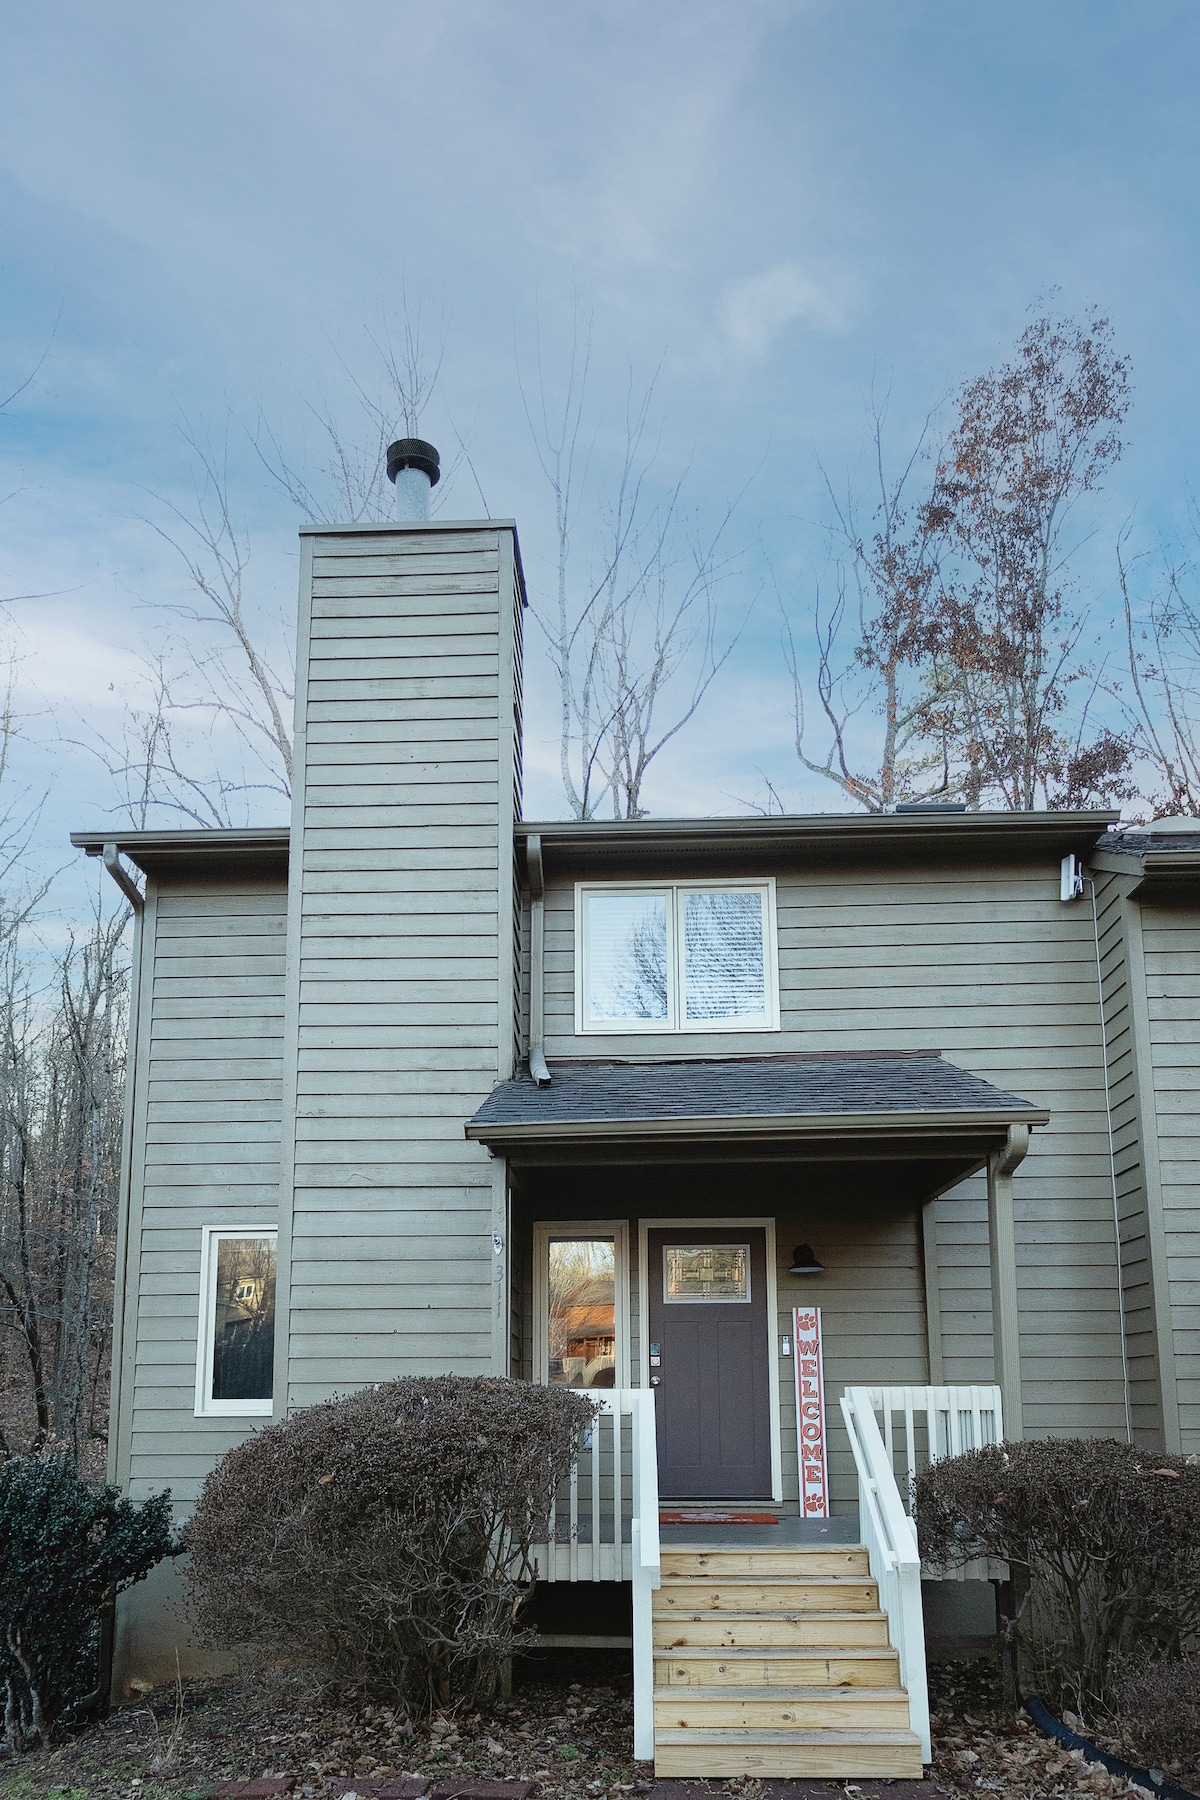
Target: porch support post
501,1260
1006,1329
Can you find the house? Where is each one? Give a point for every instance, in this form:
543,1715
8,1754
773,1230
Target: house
419,1085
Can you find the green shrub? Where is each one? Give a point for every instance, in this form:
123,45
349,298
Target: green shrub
386,1538
1104,1539
66,1551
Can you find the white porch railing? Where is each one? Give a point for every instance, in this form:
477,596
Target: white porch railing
605,1528
920,1425
891,1543
923,1424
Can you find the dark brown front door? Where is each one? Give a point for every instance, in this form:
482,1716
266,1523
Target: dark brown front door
708,1362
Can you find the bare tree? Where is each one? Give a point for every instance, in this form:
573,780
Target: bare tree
873,682
213,733
61,1085
350,485
1031,439
1163,647
636,643
966,674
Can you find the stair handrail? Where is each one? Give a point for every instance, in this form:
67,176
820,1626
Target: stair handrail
646,1567
890,1537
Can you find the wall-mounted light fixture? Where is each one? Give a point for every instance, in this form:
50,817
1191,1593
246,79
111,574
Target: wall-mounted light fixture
805,1261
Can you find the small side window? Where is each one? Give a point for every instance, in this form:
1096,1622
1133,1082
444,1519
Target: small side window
236,1361
581,1302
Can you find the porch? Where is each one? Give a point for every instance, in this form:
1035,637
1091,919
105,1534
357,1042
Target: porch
792,1647
671,1229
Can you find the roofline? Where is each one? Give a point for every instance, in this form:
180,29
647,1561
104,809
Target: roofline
944,832
391,526
835,830
816,1126
150,850
1159,874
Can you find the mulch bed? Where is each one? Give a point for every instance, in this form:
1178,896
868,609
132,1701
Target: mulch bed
565,1735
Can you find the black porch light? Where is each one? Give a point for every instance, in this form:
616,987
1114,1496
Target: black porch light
805,1261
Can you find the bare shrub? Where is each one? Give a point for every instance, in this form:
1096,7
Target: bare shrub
1105,1537
1156,1711
386,1538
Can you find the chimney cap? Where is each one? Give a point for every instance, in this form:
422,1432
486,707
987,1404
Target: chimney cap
413,453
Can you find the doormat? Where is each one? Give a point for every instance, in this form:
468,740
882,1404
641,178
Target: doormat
718,1518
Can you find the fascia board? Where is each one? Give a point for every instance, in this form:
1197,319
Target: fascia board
1029,833
801,1126
393,527
163,849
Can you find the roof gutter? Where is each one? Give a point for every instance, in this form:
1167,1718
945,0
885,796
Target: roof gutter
799,1125
537,961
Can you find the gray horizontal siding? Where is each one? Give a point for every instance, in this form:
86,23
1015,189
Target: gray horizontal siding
206,1150
1171,936
401,994
987,965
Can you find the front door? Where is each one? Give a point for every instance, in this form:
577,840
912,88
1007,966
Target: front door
708,1362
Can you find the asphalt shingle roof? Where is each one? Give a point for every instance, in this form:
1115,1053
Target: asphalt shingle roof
747,1087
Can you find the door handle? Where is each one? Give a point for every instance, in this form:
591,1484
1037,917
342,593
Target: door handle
654,1380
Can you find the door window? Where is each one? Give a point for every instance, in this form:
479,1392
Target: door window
716,1274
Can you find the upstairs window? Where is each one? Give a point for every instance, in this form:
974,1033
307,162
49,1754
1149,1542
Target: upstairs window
675,957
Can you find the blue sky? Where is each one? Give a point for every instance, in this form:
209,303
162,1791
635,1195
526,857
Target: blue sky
784,204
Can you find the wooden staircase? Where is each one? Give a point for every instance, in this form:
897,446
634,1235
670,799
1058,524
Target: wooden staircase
776,1662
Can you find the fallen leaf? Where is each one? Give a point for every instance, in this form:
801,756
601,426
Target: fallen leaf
1173,1473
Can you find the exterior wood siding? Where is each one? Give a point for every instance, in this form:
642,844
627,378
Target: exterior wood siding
987,965
1171,940
402,948
205,1151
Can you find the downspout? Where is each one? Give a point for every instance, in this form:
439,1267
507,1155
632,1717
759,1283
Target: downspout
537,960
1006,1325
123,879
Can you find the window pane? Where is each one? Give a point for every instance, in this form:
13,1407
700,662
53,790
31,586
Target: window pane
723,956
582,1334
244,1325
627,956
706,1272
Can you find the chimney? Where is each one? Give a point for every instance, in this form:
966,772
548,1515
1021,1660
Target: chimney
414,467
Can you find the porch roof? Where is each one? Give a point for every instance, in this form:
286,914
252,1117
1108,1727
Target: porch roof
909,1104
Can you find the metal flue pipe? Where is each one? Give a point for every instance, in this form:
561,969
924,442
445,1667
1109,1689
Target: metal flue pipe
415,468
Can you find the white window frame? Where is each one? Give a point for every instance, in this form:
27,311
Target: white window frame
206,1407
543,1231
675,1024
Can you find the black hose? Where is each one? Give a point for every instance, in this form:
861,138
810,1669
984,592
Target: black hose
1045,1721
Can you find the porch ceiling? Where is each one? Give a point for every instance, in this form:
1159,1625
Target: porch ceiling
916,1109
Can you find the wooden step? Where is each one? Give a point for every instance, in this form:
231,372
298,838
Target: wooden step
841,1559
754,1593
774,1667
766,1709
677,1629
700,1752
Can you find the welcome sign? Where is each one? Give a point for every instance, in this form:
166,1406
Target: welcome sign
810,1413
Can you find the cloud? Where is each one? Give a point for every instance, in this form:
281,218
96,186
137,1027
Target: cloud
754,312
